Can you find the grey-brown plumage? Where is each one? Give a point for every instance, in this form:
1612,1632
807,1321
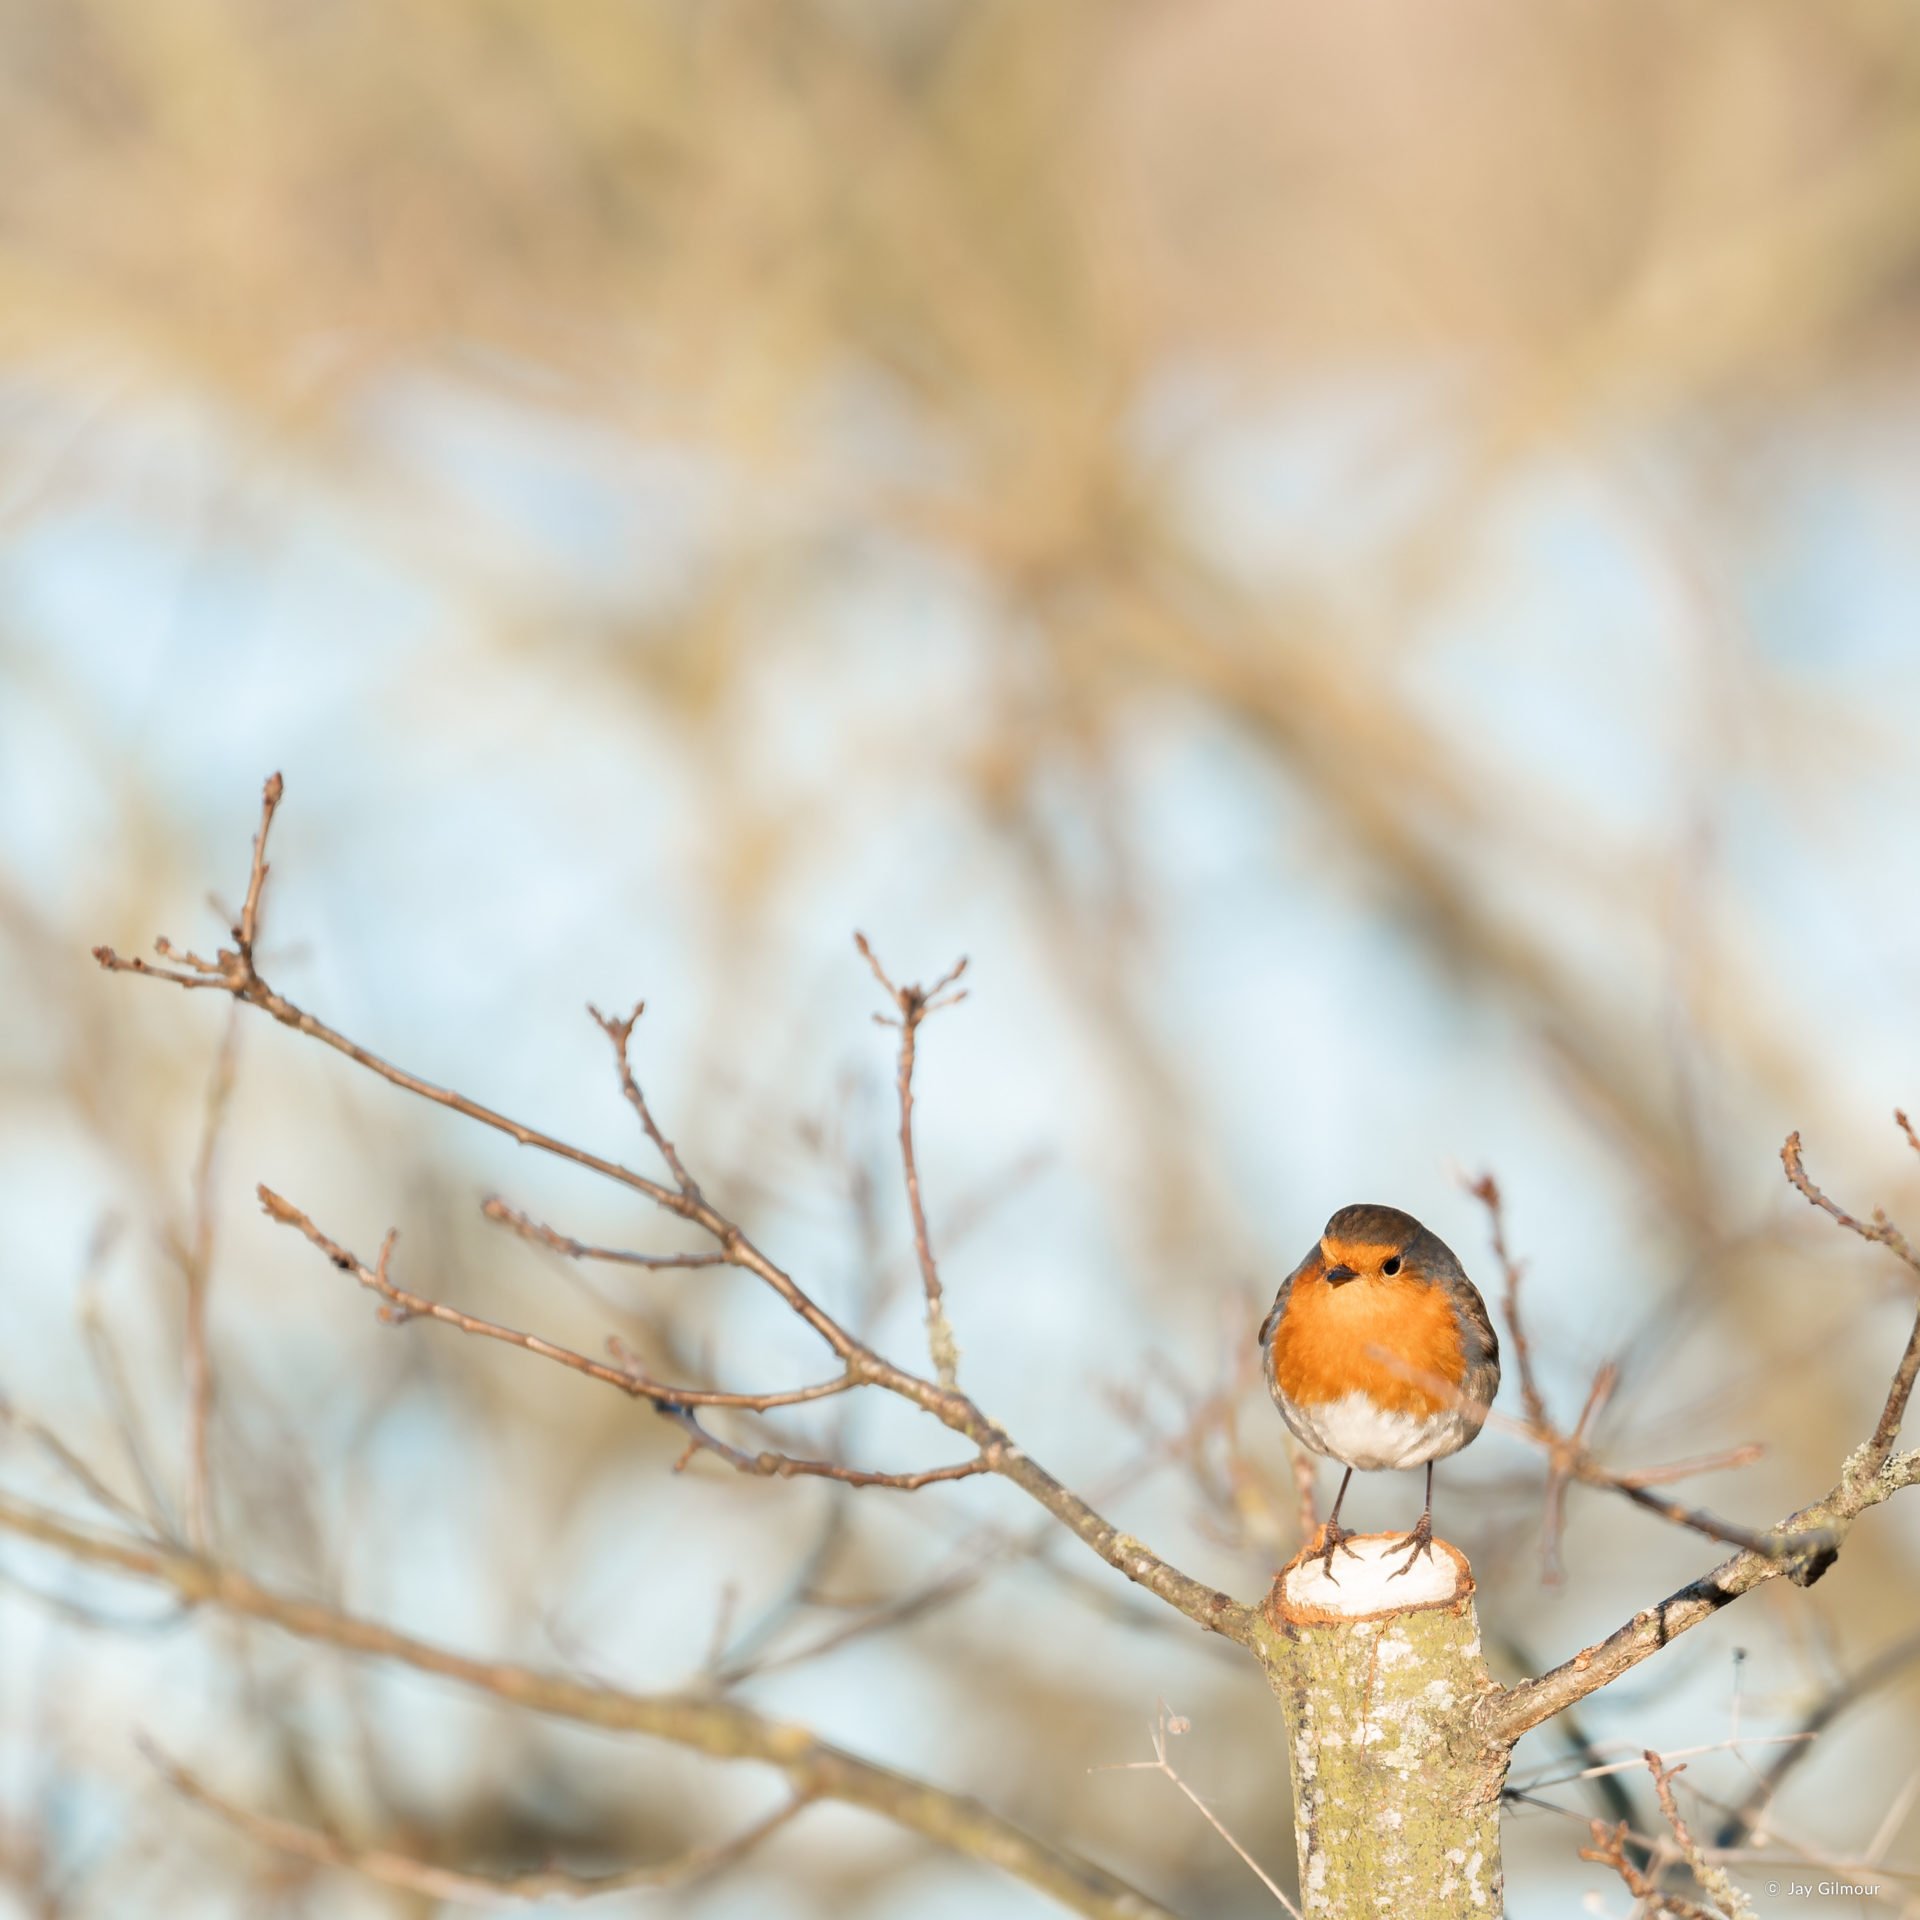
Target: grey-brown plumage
1380,1352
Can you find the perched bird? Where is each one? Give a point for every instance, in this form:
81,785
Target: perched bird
1379,1354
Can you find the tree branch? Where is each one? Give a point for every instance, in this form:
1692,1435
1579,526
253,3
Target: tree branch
1751,1812
1711,1875
620,1033
1569,1458
402,1305
498,1211
814,1768
1507,1715
193,1254
914,1004
787,1466
1887,1428
412,1874
1872,1473
1486,1190
234,971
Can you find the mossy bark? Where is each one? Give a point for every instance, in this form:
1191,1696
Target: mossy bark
1396,1795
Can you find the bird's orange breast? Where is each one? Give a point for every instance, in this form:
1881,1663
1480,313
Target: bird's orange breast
1394,1340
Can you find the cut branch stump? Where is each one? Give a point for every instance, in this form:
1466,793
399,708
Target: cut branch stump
1396,1794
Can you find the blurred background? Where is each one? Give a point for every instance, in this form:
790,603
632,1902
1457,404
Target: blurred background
1359,561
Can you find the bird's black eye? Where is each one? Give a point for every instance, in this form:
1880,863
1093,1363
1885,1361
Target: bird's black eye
1390,1267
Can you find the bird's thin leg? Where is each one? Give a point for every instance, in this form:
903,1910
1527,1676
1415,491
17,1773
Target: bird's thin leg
1420,1540
1333,1534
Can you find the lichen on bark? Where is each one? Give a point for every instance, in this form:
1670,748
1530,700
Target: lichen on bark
1396,1796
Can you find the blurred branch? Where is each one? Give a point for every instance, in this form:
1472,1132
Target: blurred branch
814,1769
194,1256
124,1408
1752,1811
413,1874
74,1467
975,1559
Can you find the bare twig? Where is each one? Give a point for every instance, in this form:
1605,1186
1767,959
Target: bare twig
1166,1725
914,1004
247,932
786,1466
974,1560
1609,1849
1879,1229
1882,1230
1712,1876
235,972
672,1393
676,1402
1569,1460
1872,1473
408,1871
1218,1612
1771,1542
402,1305
620,1033
1563,1455
1603,1769
1486,1190
1724,1461
498,1211
1508,1714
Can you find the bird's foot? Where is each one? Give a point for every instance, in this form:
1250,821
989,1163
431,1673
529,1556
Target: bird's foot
1333,1536
1419,1541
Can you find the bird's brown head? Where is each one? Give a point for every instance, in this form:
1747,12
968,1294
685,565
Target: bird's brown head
1382,1243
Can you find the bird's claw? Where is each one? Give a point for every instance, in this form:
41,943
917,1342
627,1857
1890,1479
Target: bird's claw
1419,1541
1333,1536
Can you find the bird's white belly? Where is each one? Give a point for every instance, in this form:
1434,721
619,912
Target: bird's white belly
1361,1434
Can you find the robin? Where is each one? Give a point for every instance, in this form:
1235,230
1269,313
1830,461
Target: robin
1380,1354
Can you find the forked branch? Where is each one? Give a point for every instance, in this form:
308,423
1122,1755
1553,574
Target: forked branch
1570,1458
235,971
1872,1473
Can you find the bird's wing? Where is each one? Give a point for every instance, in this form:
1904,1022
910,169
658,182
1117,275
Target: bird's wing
1274,1312
1475,1323
1280,1299
1477,1334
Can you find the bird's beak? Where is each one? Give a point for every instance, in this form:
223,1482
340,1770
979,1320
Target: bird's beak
1339,1276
